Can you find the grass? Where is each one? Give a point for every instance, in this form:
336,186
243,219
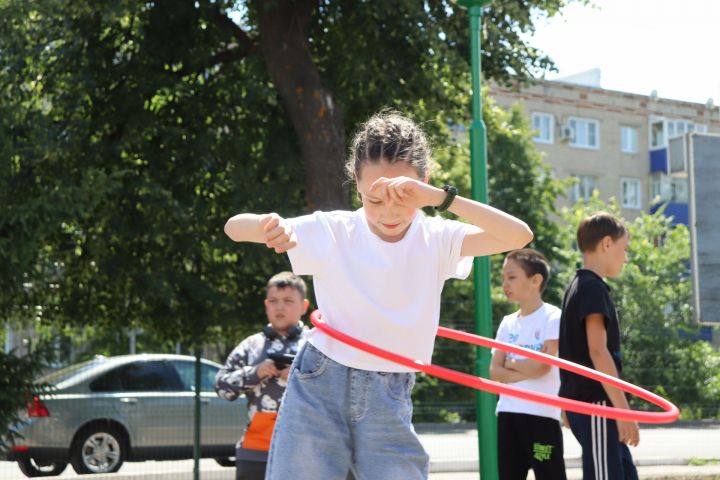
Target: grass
699,462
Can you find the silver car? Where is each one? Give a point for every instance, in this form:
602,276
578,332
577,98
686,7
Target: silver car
127,408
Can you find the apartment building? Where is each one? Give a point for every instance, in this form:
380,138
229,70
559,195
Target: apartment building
612,141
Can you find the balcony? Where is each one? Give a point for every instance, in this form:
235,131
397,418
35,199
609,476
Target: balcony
678,212
659,160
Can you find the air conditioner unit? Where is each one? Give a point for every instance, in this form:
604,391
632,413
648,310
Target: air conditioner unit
566,133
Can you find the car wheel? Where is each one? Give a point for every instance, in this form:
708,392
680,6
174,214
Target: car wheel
226,462
98,449
32,468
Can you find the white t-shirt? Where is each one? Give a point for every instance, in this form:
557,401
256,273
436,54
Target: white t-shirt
385,294
531,332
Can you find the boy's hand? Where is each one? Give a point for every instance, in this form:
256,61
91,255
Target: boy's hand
266,369
284,372
564,420
509,363
277,233
407,192
628,433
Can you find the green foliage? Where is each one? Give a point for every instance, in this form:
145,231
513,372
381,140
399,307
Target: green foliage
124,148
130,132
17,387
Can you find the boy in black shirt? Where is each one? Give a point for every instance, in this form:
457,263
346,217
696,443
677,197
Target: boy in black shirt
590,336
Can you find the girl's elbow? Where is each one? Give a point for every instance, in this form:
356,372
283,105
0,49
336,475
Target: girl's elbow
228,229
529,235
525,237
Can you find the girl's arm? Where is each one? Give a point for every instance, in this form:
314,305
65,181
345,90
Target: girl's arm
497,231
271,229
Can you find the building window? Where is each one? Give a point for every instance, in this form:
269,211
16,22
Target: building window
679,189
583,188
628,139
677,128
585,133
657,134
659,187
662,129
665,188
630,191
543,123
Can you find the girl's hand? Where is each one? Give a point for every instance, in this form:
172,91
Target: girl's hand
407,192
277,233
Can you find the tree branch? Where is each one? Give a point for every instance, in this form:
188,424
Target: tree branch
246,44
243,45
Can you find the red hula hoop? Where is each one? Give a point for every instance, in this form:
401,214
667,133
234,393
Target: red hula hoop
670,413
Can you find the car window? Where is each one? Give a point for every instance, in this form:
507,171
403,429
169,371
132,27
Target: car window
145,376
186,370
63,374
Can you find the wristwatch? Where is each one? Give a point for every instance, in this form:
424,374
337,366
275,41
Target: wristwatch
451,194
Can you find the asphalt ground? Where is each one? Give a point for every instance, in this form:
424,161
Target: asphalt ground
687,451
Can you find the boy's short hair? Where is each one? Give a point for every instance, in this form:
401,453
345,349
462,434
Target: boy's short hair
532,262
597,226
285,280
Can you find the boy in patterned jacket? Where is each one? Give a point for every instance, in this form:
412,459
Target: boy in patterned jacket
258,367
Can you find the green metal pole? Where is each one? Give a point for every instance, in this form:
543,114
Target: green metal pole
485,406
198,412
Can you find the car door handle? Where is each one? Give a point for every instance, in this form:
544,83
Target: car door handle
128,400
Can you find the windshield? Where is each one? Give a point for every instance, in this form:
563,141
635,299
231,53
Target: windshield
59,376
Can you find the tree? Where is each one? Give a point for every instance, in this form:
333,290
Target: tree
17,388
130,132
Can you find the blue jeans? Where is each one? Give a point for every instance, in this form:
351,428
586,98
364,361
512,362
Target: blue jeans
335,419
604,456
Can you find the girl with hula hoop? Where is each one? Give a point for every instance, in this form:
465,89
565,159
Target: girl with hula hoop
378,274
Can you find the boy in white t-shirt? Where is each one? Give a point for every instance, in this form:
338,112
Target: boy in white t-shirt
378,274
529,433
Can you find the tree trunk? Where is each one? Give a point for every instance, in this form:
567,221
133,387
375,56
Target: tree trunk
284,27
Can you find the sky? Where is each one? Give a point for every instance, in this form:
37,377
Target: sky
672,47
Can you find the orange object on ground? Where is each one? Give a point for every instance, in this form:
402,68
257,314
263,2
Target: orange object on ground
259,432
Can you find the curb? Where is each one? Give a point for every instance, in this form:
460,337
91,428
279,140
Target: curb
465,426
450,466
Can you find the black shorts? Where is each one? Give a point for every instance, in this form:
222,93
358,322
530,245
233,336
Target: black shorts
529,441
